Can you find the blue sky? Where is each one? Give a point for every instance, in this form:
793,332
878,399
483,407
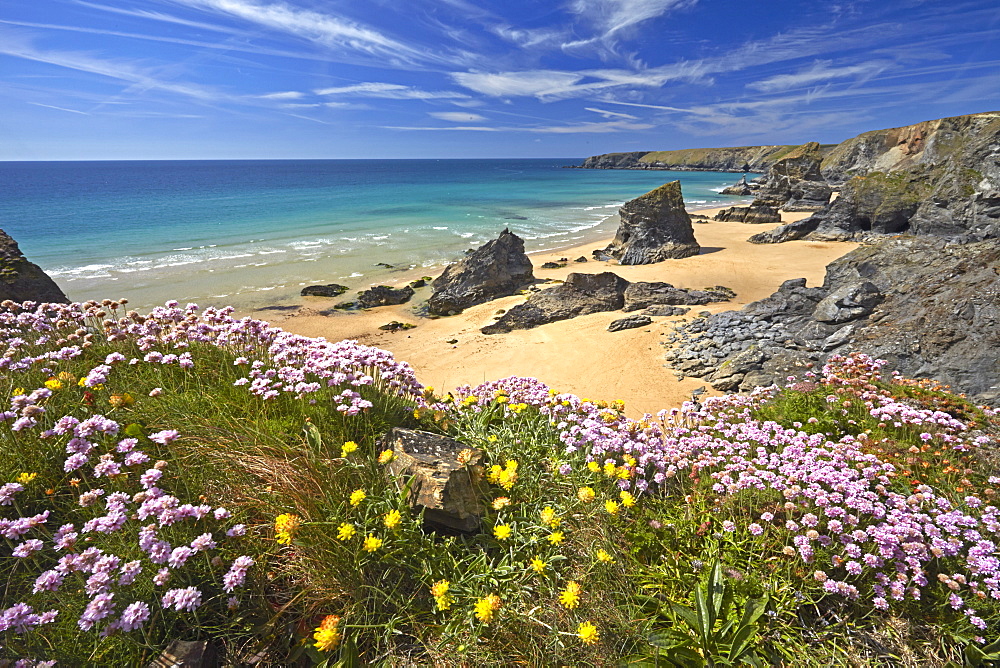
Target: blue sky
193,79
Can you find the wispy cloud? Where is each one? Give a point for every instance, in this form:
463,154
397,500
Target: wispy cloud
611,16
612,114
819,71
390,91
52,106
456,116
569,128
155,16
283,95
324,29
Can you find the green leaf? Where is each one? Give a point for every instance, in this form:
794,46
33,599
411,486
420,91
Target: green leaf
704,615
349,657
741,643
717,591
688,616
313,436
135,430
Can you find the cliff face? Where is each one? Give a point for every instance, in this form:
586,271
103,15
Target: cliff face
731,159
938,178
21,280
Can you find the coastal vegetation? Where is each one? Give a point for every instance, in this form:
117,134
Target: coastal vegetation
186,475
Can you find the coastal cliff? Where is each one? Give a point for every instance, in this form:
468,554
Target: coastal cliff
728,159
21,280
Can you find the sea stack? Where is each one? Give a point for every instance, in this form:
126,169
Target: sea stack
21,280
497,269
654,227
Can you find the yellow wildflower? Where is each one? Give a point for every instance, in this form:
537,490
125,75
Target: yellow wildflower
494,474
594,467
345,531
348,448
372,543
82,382
502,531
285,526
18,392
357,496
508,476
386,456
556,537
121,400
586,494
537,565
570,597
630,460
25,478
53,384
465,456
486,607
443,602
66,377
500,503
628,499
392,519
440,588
611,507
502,399
327,635
609,469
604,556
623,472
549,517
588,633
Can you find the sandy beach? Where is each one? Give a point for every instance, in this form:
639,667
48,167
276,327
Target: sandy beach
577,355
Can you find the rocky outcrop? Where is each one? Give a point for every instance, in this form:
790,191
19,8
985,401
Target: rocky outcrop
497,269
383,295
21,280
931,308
795,183
630,322
939,178
644,295
654,227
444,478
729,159
331,290
581,294
740,188
753,214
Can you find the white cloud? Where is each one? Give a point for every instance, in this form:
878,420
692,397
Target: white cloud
593,128
390,91
819,71
611,114
461,128
284,95
457,116
610,16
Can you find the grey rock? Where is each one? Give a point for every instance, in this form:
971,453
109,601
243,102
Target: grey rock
579,295
665,311
383,295
497,269
21,280
757,213
447,491
331,290
740,188
654,227
630,322
848,302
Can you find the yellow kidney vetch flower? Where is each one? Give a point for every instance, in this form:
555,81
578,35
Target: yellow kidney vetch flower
348,448
502,531
392,519
628,499
537,565
345,531
25,478
570,596
357,496
486,607
442,599
609,469
372,543
594,467
611,507
549,518
54,384
327,635
604,557
556,537
386,456
586,494
285,526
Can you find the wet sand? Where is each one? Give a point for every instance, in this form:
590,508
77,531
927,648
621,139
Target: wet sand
577,355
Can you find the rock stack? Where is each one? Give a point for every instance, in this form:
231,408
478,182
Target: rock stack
654,227
21,280
497,269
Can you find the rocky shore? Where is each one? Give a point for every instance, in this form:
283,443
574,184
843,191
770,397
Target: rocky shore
729,159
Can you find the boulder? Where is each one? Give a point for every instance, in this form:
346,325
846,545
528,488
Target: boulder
580,294
630,322
642,295
448,491
383,295
754,214
848,302
331,290
21,280
654,227
665,311
740,188
795,182
497,269
582,258
396,326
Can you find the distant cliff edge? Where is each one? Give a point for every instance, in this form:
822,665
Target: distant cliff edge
729,159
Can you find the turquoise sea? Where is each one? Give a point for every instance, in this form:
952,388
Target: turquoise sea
246,232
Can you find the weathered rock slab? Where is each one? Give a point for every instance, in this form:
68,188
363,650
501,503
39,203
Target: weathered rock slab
630,322
384,295
580,294
330,290
499,268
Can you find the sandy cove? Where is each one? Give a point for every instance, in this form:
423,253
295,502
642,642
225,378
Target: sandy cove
577,355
